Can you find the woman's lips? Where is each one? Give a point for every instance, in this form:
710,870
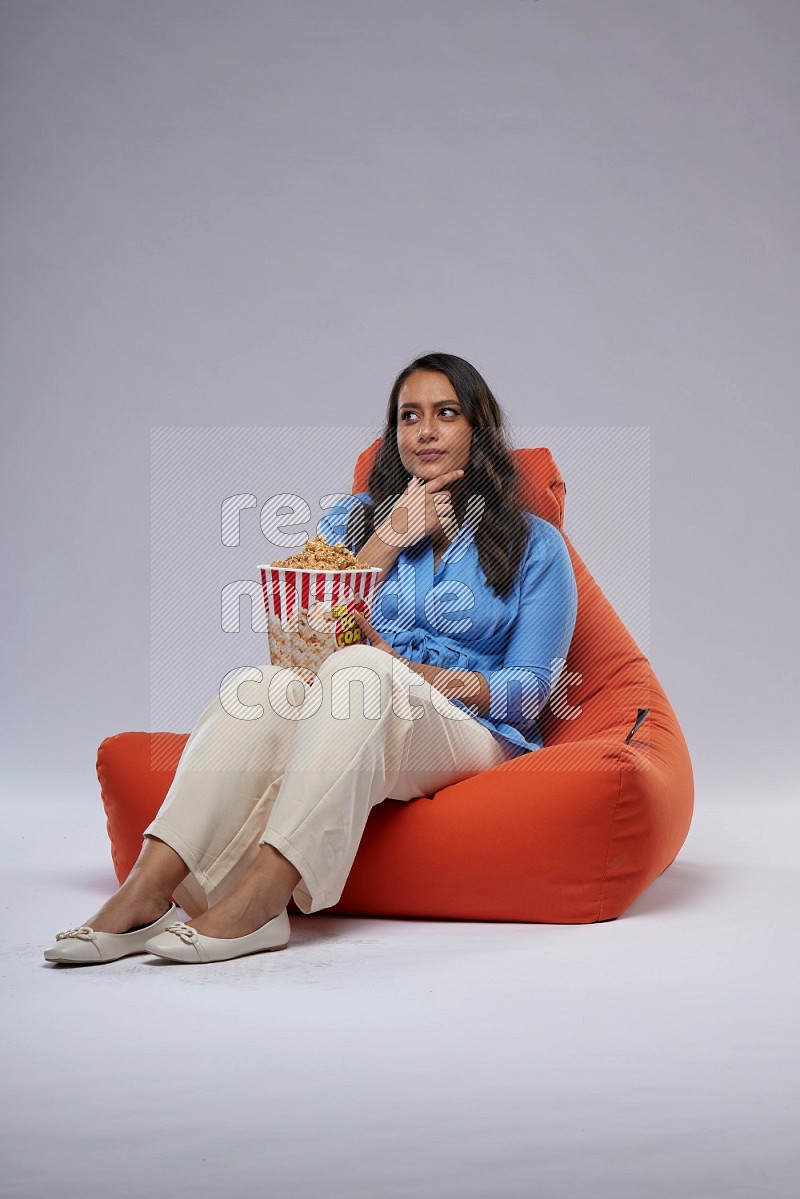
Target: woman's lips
429,454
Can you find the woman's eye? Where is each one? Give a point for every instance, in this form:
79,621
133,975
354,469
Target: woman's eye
403,415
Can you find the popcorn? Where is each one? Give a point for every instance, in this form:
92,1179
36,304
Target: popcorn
306,598
316,554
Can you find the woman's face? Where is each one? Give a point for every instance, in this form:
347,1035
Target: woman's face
430,418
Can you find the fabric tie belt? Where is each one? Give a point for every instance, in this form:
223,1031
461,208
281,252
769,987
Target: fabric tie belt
423,646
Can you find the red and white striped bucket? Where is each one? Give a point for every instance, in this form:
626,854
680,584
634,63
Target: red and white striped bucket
307,618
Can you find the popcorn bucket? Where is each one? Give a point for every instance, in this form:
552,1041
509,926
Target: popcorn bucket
307,617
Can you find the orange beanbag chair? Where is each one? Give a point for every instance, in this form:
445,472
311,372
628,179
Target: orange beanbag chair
568,834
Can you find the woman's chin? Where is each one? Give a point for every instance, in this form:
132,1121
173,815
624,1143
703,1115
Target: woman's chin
433,466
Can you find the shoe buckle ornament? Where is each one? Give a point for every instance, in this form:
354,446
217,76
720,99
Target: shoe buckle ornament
182,930
84,933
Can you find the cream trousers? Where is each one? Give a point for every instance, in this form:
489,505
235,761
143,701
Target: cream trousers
299,766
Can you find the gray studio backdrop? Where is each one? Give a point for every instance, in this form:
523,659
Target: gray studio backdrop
251,215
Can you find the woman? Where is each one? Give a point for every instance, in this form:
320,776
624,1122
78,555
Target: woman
468,634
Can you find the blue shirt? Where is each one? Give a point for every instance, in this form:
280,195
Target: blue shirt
451,618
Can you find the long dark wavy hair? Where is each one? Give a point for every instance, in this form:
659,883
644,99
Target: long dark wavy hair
502,531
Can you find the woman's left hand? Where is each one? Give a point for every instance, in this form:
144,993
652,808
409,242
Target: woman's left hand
371,633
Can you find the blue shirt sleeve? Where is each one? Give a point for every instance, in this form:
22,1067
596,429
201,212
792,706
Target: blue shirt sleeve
541,632
334,523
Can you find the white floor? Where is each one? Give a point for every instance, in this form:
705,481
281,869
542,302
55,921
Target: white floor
655,1055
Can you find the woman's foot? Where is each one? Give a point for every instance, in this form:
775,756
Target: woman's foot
126,911
262,894
241,912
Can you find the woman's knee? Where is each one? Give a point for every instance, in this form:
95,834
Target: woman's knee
357,655
248,691
356,662
364,664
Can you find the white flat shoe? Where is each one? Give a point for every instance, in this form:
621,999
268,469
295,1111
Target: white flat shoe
181,943
85,947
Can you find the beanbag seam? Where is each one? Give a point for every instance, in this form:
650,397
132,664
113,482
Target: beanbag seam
102,778
610,840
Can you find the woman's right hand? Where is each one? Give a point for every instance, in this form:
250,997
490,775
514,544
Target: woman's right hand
426,506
